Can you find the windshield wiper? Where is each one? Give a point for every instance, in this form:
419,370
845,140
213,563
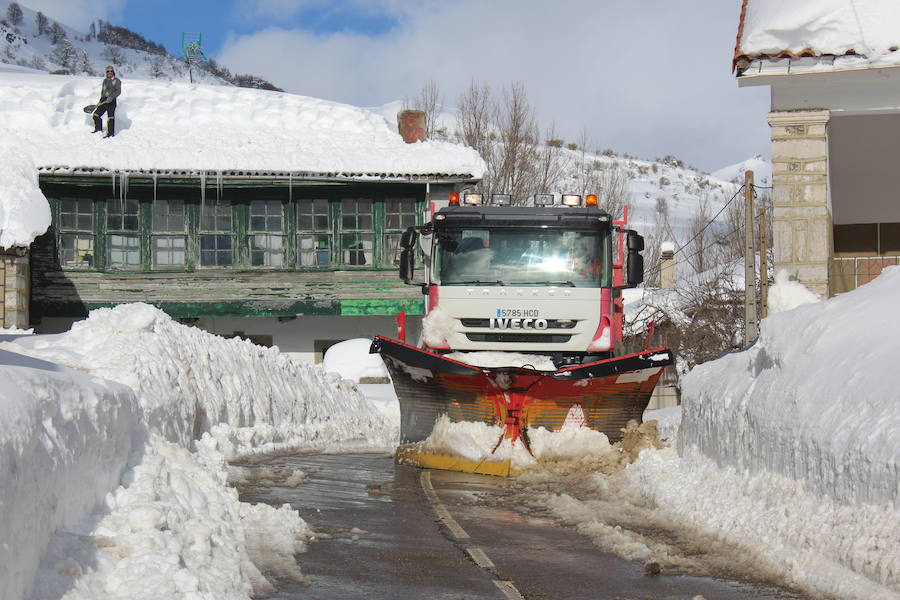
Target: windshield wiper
563,283
495,282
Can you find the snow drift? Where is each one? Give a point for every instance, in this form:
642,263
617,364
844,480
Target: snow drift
189,382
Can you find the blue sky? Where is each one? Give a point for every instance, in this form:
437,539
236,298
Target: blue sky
649,78
164,21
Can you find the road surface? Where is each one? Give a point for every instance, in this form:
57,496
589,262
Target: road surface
394,531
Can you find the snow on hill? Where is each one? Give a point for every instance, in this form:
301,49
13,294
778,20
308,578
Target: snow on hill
762,171
55,47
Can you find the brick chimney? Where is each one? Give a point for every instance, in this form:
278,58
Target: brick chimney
666,265
411,124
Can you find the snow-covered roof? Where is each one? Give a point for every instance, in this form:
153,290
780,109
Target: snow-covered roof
863,31
177,128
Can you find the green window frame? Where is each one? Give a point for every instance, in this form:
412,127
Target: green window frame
266,234
357,232
123,234
216,234
399,214
173,228
168,235
75,240
315,232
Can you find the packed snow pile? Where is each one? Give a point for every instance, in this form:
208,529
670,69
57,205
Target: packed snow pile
538,362
351,360
572,443
189,382
788,294
175,531
24,212
65,439
812,399
837,27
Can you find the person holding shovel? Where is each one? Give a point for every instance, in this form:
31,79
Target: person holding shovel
111,89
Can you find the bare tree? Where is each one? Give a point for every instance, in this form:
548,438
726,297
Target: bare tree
41,20
57,33
113,54
65,54
551,162
475,121
514,157
612,189
430,101
14,13
702,244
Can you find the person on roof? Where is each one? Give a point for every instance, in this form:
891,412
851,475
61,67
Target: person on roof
111,89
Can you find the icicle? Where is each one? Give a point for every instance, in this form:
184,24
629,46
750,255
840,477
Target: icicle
291,188
219,186
114,183
154,186
202,193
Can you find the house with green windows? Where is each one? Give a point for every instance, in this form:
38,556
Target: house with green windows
286,236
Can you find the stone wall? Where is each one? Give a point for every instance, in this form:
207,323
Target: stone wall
14,288
803,241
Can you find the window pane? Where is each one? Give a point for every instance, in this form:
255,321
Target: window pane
265,215
356,249
123,251
266,251
313,215
216,216
356,214
215,251
77,214
122,214
313,250
168,215
399,213
76,251
168,251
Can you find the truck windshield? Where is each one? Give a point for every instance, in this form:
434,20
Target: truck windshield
523,257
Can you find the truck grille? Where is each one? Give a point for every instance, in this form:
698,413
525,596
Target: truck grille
524,338
551,323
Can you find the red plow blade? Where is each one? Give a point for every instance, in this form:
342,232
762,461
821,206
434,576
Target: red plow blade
603,395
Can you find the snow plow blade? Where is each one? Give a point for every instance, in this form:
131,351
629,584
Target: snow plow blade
603,395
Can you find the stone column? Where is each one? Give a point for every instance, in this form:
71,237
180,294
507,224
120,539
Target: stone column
803,241
14,288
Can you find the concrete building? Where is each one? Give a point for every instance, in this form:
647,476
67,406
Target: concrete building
834,75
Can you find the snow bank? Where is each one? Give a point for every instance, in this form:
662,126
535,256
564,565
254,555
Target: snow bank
189,382
351,360
24,212
175,531
65,438
813,400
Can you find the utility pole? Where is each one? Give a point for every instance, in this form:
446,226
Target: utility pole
763,266
750,331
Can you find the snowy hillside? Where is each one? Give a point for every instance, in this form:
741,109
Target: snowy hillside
43,44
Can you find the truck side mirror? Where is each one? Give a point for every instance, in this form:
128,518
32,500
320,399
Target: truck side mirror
407,263
409,238
635,241
635,268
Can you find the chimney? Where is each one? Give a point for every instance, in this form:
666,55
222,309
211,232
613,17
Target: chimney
411,124
666,265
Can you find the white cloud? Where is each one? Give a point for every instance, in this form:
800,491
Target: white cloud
77,14
649,78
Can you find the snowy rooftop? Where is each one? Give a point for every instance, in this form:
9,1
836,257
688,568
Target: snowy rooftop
177,128
862,33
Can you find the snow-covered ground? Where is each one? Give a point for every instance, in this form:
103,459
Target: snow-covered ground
131,397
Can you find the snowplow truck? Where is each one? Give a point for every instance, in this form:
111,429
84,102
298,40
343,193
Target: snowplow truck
542,281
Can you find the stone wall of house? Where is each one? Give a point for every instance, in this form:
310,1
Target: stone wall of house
14,288
803,233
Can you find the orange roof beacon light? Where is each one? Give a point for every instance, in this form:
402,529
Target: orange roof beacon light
454,198
590,200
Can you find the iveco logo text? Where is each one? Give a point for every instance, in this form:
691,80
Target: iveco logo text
499,323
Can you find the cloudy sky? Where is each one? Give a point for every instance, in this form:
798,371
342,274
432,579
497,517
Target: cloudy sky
647,77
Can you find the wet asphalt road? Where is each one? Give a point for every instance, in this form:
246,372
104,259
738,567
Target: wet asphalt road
382,536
